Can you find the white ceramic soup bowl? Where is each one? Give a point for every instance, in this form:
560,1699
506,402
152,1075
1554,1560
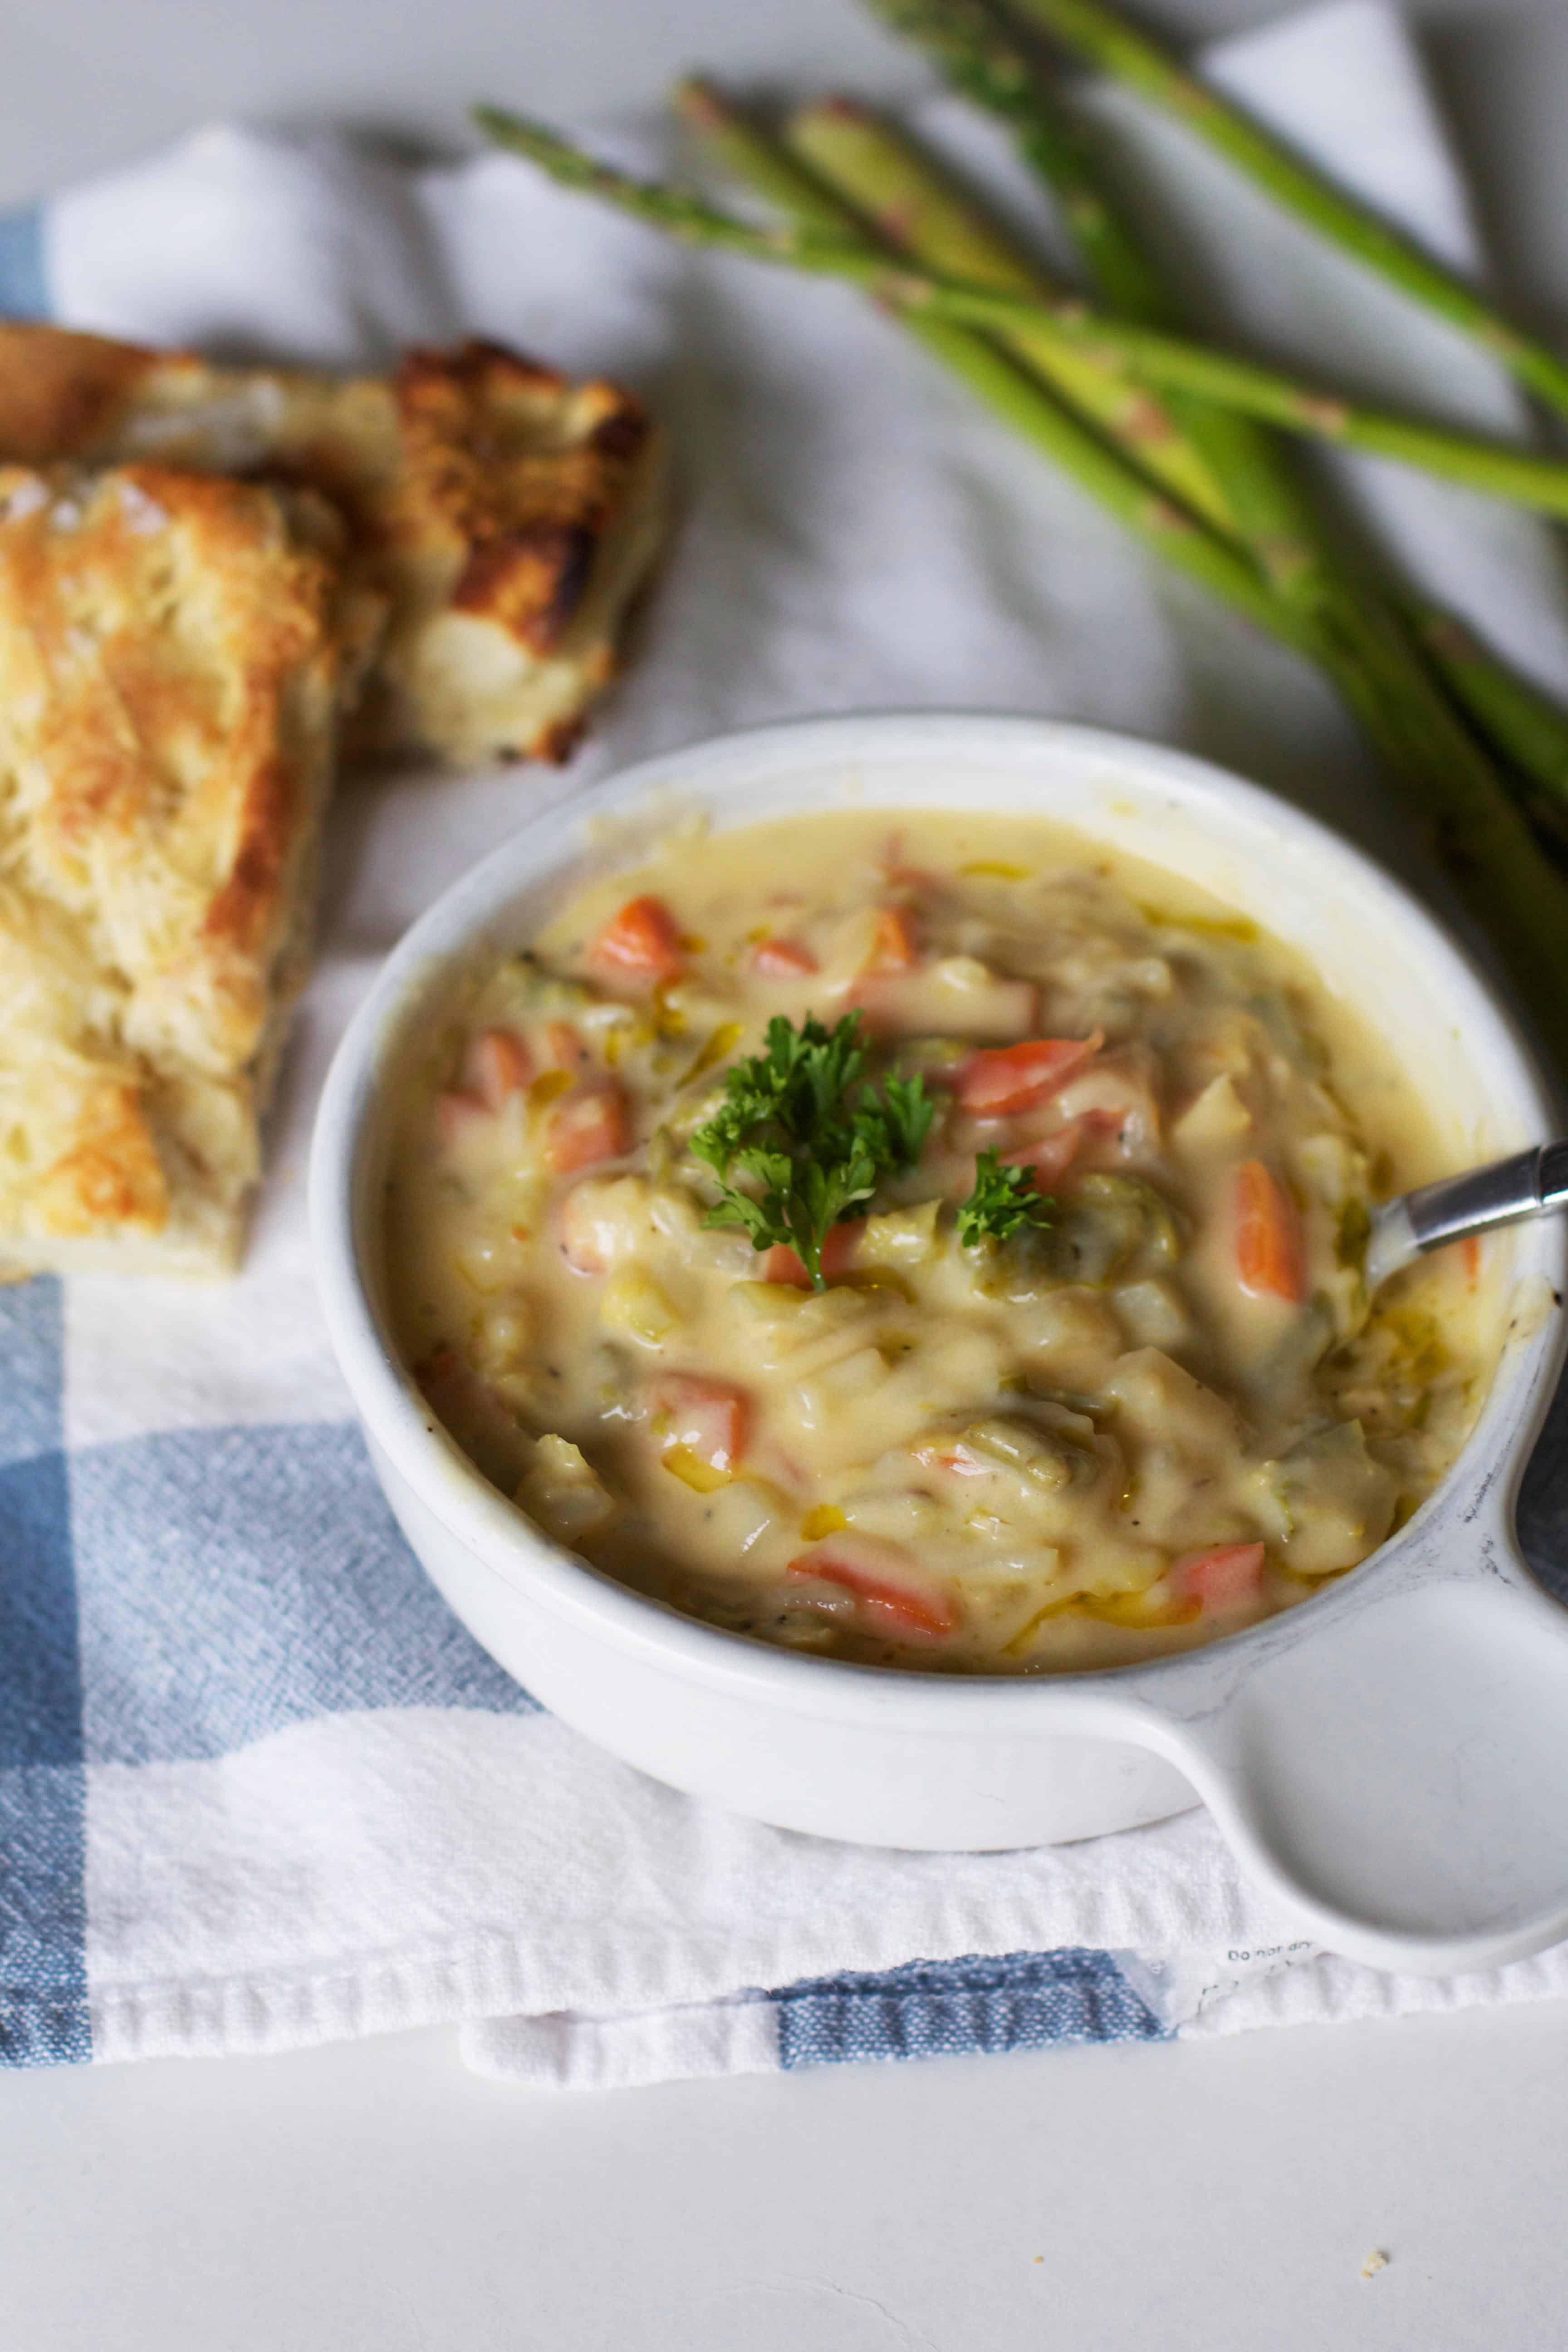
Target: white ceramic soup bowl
1390,1758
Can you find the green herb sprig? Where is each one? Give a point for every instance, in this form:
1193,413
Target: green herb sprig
1003,1199
814,1139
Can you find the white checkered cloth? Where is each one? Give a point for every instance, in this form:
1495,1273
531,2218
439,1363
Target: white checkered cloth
258,1789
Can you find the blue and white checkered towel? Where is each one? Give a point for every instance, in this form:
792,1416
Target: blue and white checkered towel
257,1786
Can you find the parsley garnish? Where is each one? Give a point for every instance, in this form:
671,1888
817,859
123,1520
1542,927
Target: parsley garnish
1002,1200
789,1122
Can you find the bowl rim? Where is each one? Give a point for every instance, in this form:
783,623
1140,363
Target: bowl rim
494,1532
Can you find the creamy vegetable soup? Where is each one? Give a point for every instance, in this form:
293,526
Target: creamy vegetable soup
929,1242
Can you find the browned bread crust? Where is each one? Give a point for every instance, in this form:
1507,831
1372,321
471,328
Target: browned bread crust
507,515
172,648
63,394
202,569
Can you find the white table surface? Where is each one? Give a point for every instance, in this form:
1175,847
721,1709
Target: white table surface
1220,2196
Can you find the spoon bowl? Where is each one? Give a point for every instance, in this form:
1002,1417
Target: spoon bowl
1527,1184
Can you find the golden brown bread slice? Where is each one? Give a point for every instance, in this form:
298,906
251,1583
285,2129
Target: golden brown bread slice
173,649
507,515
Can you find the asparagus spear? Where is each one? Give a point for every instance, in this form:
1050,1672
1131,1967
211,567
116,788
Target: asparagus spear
1486,841
1518,714
1524,476
1451,784
1166,527
980,57
918,212
1351,629
898,190
750,154
983,61
1101,36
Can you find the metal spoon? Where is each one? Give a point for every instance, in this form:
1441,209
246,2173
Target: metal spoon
1525,1186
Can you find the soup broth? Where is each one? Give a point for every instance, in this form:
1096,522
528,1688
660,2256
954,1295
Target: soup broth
1083,1371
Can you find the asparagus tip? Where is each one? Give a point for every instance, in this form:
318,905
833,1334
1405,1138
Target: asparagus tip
695,98
833,107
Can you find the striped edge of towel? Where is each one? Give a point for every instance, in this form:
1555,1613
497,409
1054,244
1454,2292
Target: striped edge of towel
981,2005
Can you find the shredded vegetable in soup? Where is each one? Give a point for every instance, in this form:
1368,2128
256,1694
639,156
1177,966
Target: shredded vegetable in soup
936,1244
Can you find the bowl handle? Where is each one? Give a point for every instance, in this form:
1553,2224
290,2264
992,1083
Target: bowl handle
1400,1779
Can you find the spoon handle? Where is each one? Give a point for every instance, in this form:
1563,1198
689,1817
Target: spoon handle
1524,1186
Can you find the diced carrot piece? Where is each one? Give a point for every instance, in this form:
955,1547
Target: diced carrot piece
888,1603
1268,1236
896,943
778,959
878,998
641,942
840,1248
459,1114
1470,1258
586,1127
558,1047
709,1418
1221,1577
1004,1079
781,1263
897,873
497,1063
1050,1156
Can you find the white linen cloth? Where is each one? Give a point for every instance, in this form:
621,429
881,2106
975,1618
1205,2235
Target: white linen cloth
386,1849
